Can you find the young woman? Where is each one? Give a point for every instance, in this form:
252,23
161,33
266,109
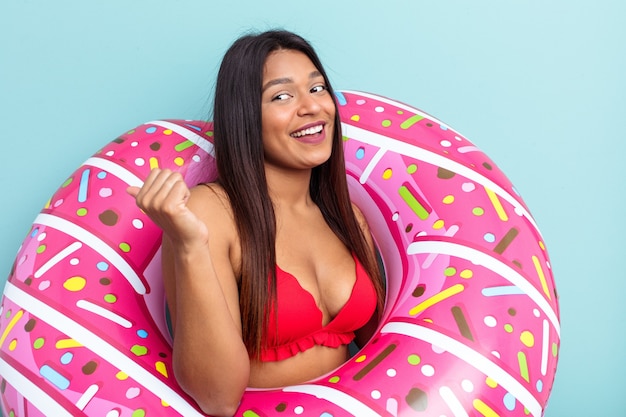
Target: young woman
270,272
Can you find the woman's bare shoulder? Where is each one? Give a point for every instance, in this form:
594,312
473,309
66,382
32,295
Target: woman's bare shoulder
211,204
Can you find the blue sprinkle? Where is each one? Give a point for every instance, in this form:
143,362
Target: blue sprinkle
489,237
102,175
501,290
67,358
341,98
34,232
539,385
360,153
151,129
509,401
326,414
84,185
142,333
54,377
443,127
102,266
193,127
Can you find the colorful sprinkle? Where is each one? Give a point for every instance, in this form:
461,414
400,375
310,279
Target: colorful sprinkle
102,266
67,358
527,338
11,324
54,377
490,321
374,362
160,367
76,283
67,344
410,121
461,322
39,342
83,186
542,277
139,350
440,296
132,392
484,409
466,274
506,240
414,359
495,201
110,298
509,401
414,201
183,145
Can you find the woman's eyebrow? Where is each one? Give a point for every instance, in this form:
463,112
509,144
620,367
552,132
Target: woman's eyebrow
288,80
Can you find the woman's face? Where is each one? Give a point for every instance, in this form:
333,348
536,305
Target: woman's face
297,112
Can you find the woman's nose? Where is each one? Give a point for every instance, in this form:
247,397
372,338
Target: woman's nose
308,105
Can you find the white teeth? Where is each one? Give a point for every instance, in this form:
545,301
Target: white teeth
309,131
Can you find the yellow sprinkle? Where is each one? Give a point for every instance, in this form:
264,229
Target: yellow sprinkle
167,132
47,205
179,161
497,205
440,296
67,343
541,245
484,409
164,403
466,273
491,383
14,320
160,366
449,199
387,173
438,224
75,283
527,338
122,376
13,345
542,277
355,118
360,359
154,163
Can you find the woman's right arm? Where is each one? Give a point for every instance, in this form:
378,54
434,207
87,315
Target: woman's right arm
210,360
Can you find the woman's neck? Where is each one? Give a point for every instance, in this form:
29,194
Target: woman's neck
289,188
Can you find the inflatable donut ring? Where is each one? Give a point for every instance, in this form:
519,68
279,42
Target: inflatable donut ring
470,327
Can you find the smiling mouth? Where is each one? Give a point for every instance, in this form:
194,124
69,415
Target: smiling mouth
308,131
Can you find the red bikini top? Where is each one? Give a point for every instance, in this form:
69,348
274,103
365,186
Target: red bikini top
300,320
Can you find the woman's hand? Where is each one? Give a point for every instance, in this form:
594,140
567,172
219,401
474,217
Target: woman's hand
163,197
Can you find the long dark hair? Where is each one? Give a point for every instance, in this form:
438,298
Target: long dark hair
239,157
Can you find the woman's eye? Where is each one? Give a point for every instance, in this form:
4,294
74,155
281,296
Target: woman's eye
318,88
280,97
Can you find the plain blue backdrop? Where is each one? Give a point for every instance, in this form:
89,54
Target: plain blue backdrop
538,85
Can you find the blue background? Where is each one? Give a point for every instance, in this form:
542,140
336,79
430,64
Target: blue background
538,85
